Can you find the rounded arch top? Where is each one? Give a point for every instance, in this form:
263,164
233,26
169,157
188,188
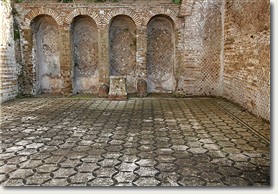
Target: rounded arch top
124,12
43,11
83,12
162,12
123,17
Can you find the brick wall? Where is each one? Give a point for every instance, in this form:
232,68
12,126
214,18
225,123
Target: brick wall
219,48
247,55
8,67
196,36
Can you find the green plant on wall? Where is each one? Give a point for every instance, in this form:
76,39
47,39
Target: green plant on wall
18,1
16,34
177,1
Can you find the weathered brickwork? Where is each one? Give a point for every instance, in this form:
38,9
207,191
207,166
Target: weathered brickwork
188,70
196,48
8,67
199,65
247,55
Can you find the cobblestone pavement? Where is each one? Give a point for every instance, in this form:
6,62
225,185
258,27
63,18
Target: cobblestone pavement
138,142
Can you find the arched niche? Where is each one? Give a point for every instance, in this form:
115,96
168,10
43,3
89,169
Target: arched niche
160,54
46,55
84,40
122,50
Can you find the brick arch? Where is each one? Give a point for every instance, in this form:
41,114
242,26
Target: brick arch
43,11
162,11
83,11
123,11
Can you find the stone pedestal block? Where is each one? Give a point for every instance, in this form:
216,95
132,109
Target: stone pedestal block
117,90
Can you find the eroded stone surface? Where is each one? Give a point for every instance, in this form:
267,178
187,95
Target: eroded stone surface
138,142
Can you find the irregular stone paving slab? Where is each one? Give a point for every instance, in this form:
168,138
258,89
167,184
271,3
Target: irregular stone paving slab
138,142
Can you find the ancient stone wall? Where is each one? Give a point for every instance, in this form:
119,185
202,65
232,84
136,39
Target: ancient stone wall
247,55
8,67
185,61
198,47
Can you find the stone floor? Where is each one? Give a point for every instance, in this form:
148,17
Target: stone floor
138,142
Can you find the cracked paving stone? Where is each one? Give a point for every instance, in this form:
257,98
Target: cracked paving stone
197,150
112,155
146,155
165,158
14,182
46,168
231,150
38,179
125,177
211,176
245,166
206,167
69,163
87,167
236,181
164,151
3,178
216,154
109,162
260,161
146,162
57,182
185,162
257,177
14,149
54,160
222,161
21,173
27,151
146,148
147,181
83,177
179,147
211,147
168,178
128,167
229,171
192,181
166,167
146,171
91,158
31,164
75,155
105,172
8,168
101,182
238,157
188,171
63,172
129,158
35,145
